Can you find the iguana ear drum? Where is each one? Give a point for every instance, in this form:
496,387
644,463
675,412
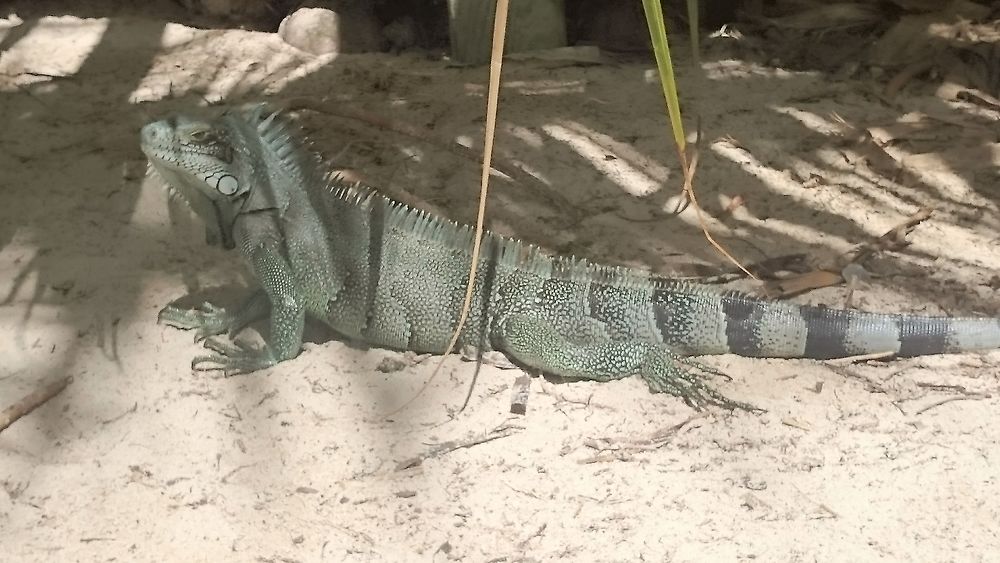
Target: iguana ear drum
224,183
227,185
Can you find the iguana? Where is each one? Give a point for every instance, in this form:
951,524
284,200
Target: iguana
393,276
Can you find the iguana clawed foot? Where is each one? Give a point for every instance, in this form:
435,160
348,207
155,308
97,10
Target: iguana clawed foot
534,341
211,320
685,378
230,357
233,358
206,320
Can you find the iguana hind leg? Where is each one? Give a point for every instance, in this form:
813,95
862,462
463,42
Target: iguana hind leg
210,320
537,343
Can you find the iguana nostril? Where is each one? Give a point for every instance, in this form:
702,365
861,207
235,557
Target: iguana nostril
152,132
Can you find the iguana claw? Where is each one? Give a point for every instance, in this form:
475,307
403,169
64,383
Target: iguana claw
233,358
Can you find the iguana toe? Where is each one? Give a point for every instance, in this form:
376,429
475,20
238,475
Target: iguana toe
686,378
233,358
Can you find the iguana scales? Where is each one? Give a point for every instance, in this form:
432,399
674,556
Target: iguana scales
379,271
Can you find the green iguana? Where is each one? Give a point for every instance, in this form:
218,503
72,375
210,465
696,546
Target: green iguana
384,273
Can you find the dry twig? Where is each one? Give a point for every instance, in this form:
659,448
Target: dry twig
832,273
860,358
935,404
443,448
32,401
619,448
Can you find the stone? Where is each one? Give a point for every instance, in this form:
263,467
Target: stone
338,27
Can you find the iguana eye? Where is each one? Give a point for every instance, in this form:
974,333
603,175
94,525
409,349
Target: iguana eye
201,136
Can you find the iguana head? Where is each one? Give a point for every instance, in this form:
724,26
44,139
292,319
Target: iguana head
221,166
205,161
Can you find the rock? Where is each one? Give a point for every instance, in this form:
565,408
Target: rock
338,27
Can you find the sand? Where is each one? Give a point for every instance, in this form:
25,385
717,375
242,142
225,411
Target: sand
139,459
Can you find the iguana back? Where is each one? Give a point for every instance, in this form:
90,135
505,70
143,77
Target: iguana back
390,275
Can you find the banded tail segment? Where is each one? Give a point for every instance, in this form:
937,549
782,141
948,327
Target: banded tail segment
701,322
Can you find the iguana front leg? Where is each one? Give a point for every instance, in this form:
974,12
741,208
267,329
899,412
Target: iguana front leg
261,243
211,320
535,342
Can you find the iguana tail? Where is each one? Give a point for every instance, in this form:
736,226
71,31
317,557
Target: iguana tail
699,322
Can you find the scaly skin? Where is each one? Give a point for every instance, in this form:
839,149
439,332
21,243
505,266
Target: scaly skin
378,271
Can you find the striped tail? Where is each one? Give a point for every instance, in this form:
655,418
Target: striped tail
697,322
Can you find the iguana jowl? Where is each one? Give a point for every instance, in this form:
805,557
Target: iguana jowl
393,276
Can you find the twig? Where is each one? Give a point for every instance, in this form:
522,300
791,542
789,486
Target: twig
893,239
908,73
835,271
766,268
822,506
860,358
496,60
944,387
871,385
452,445
795,423
523,544
234,471
981,98
135,407
523,492
688,167
946,400
519,395
619,448
32,401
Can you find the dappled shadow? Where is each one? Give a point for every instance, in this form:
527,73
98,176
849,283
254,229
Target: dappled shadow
74,267
554,120
89,248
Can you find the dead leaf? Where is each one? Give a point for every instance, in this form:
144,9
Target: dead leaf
735,203
801,283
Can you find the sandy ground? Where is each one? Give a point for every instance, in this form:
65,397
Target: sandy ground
139,459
